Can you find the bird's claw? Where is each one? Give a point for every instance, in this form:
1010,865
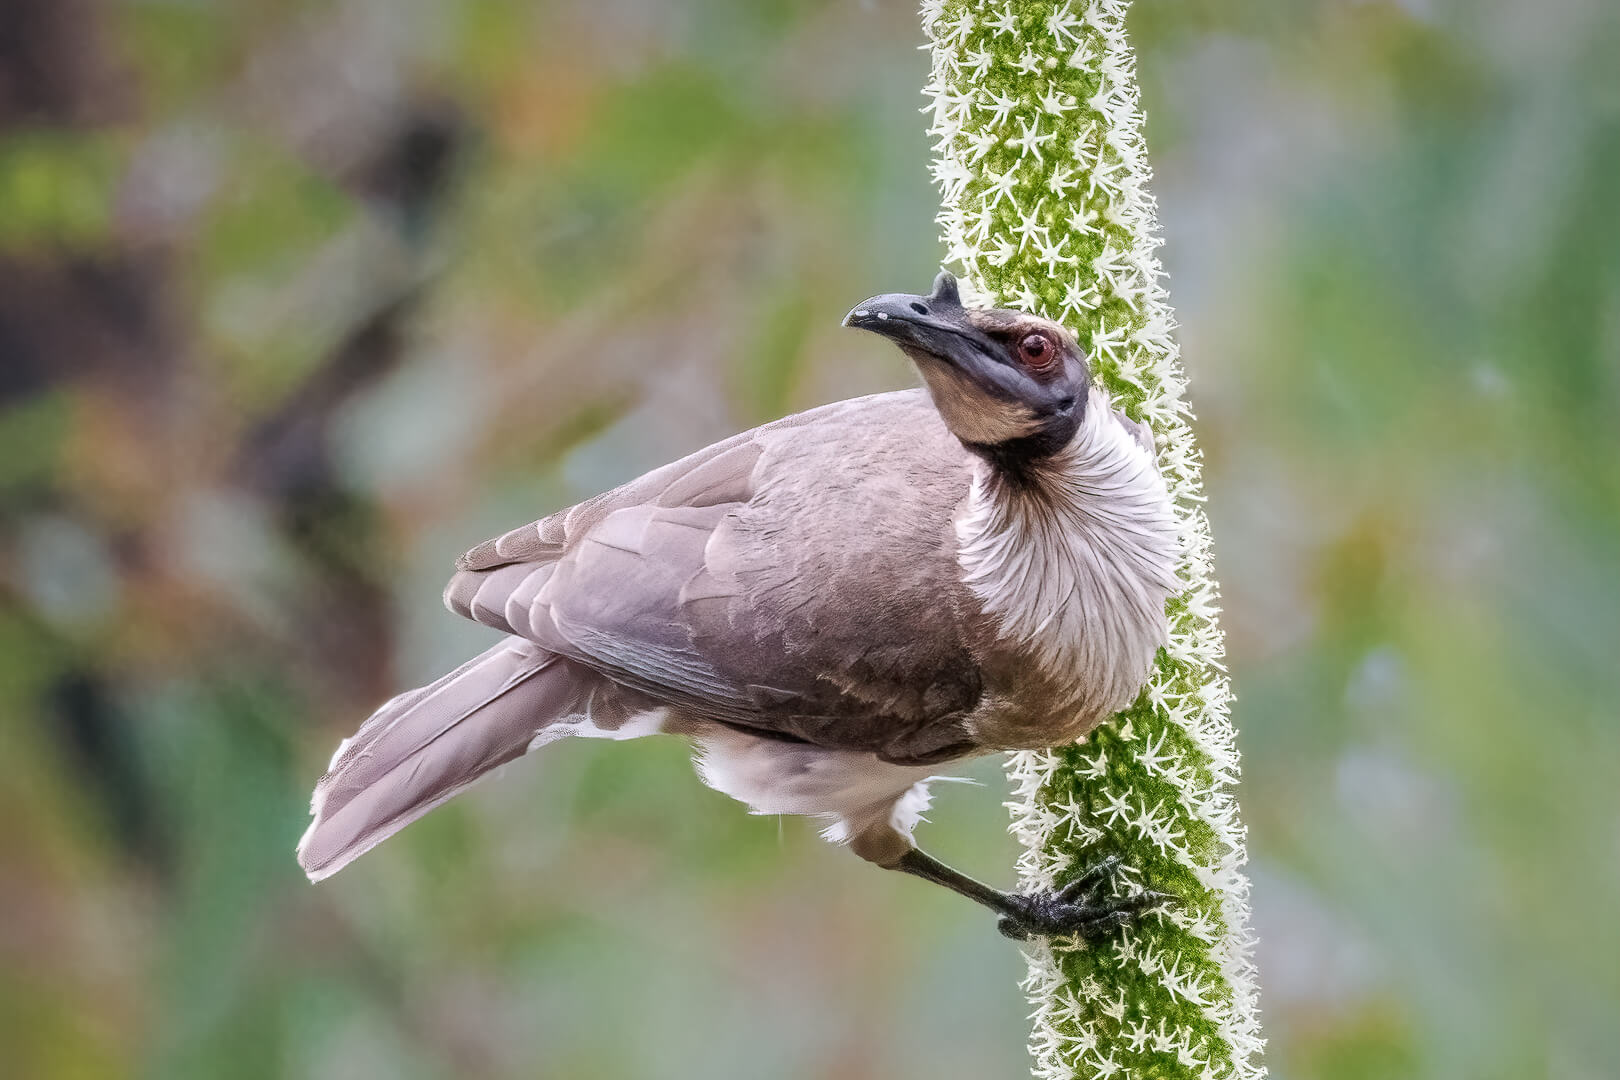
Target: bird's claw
1091,883
1080,907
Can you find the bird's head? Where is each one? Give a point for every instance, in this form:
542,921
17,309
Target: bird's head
1012,386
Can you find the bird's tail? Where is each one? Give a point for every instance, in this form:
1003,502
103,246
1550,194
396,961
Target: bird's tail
427,745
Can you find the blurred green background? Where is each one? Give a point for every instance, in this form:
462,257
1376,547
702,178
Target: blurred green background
299,300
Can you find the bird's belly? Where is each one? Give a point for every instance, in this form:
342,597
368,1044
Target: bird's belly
774,776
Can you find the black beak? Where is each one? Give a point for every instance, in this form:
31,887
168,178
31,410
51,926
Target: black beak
936,327
936,323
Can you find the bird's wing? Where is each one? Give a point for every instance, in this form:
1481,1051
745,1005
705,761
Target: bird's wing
798,579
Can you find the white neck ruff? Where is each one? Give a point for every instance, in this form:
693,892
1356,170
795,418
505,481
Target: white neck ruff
1076,566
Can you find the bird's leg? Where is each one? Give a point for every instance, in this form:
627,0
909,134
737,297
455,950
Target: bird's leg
1081,907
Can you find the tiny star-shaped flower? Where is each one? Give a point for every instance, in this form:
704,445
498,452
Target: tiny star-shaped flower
1030,139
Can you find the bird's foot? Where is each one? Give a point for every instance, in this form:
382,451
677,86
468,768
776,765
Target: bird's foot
1081,907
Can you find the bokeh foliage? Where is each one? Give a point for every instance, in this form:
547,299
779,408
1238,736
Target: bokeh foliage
297,300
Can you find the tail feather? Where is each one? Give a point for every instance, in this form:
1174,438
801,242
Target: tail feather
426,745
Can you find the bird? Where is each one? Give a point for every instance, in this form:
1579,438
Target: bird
831,607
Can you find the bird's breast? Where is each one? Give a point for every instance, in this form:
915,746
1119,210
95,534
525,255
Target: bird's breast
1073,574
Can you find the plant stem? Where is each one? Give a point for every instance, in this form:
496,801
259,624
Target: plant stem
1043,175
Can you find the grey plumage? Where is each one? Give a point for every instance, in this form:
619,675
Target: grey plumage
829,605
695,582
423,747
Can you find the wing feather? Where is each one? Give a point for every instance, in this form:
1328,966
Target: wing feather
797,579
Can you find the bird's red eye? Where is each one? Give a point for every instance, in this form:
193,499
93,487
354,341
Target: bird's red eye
1036,350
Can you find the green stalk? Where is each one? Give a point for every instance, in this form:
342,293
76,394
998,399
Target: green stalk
1043,176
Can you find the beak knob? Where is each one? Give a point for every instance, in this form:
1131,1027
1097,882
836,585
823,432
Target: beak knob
880,309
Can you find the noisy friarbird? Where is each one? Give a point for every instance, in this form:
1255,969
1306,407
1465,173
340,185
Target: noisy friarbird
831,607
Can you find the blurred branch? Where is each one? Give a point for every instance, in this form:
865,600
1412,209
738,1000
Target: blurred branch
288,457
1044,173
76,307
54,68
90,309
